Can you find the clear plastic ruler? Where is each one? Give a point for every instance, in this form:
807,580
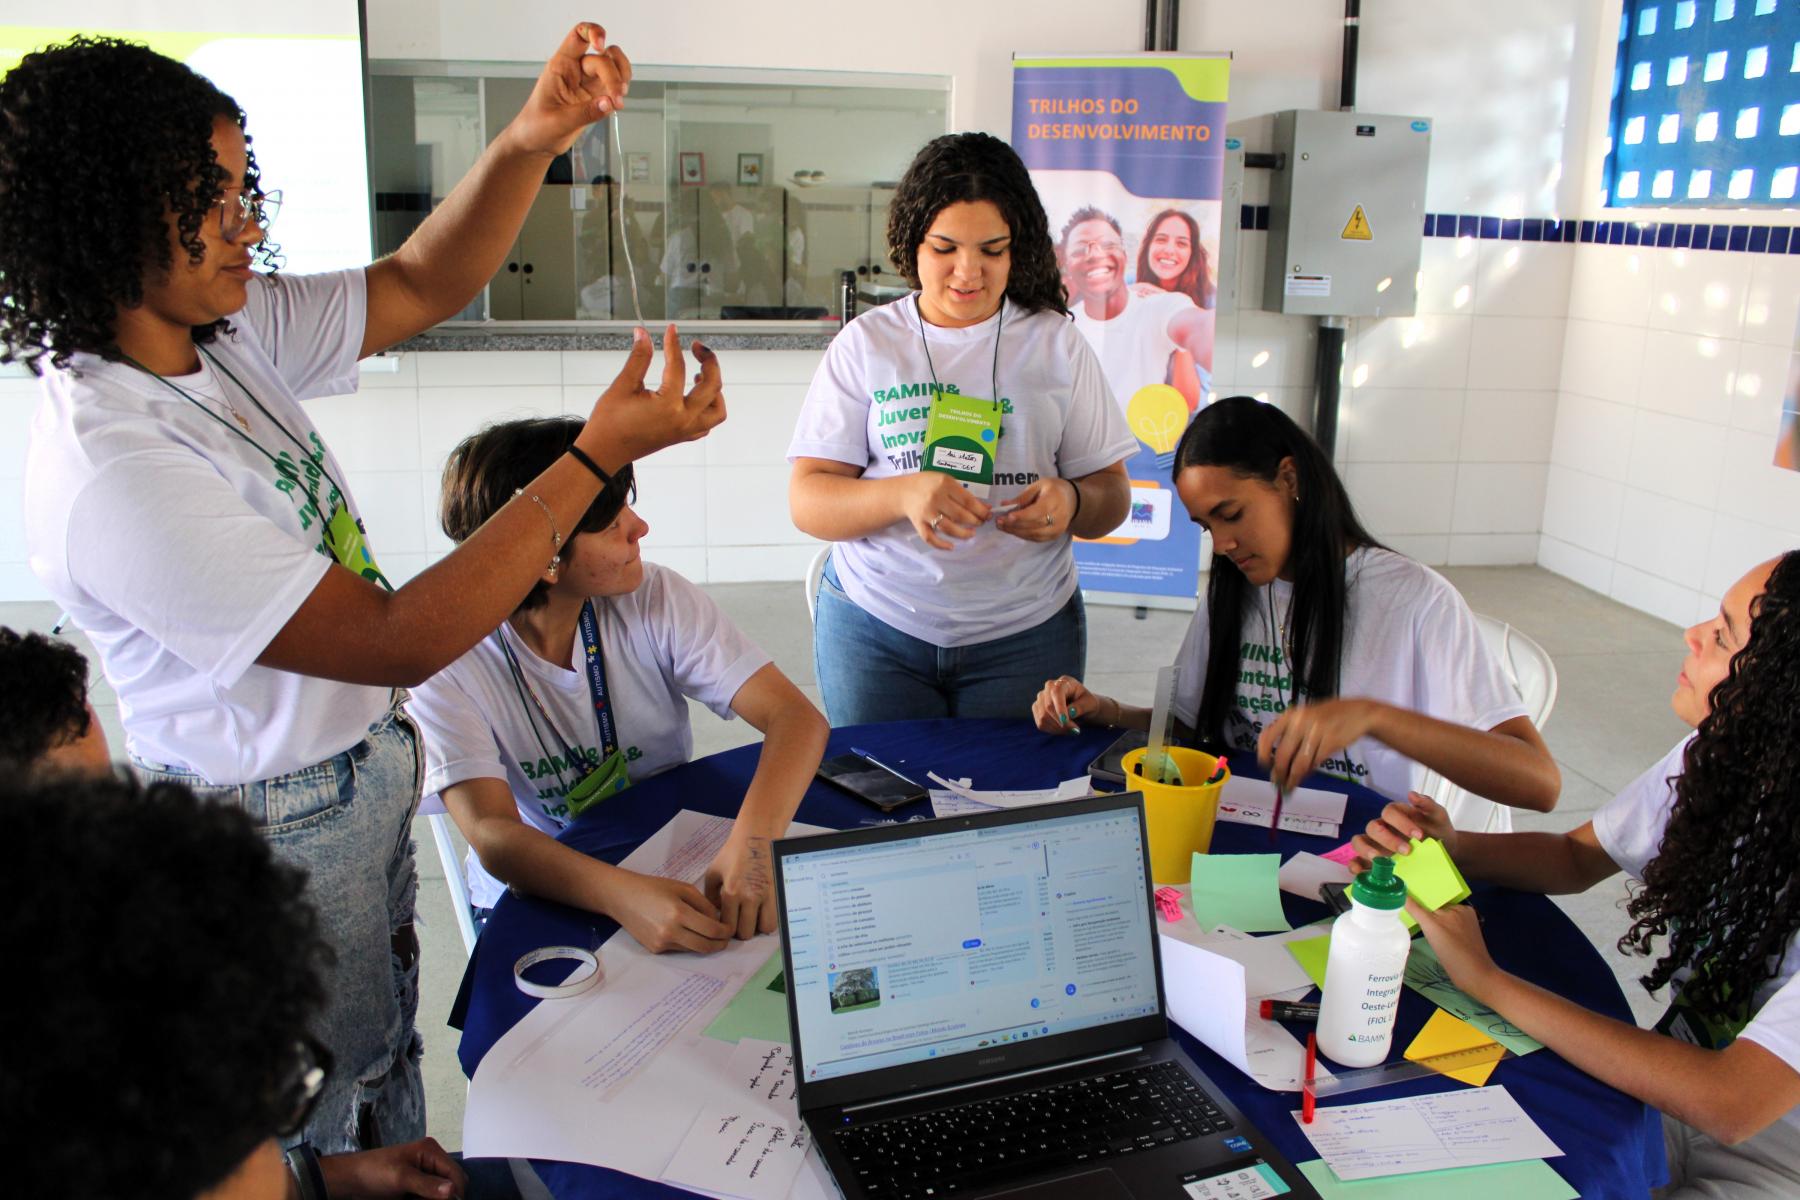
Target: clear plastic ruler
1343,1082
1157,764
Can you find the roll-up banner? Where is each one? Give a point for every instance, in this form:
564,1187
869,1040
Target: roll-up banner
1128,155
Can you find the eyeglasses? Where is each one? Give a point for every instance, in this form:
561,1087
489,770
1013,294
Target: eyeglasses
1084,249
240,206
298,1092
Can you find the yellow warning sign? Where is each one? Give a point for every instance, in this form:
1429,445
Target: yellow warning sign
1358,228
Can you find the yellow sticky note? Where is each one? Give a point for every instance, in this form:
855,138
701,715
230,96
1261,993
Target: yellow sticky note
1431,878
1445,1034
1311,954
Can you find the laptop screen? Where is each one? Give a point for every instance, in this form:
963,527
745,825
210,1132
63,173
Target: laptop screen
921,947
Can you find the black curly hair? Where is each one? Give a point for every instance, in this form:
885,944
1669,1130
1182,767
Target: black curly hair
962,167
43,698
179,969
101,141
1722,886
488,466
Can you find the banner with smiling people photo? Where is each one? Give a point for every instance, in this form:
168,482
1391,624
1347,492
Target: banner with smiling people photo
1128,155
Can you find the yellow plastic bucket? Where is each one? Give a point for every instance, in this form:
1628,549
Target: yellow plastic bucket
1179,816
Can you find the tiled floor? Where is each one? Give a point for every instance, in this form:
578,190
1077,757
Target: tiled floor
1616,668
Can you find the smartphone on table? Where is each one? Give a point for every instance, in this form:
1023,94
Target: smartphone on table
870,782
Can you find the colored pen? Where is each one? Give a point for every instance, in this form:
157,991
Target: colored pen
1218,771
1307,1100
1282,1010
860,752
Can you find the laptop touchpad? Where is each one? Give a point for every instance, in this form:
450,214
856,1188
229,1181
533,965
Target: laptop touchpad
1090,1185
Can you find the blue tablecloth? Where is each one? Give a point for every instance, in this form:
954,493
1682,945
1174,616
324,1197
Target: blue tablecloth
1612,1144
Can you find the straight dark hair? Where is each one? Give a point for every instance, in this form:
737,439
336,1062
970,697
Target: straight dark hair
485,469
1251,439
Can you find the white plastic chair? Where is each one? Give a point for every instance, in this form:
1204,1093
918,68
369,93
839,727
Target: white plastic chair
432,809
1528,667
815,571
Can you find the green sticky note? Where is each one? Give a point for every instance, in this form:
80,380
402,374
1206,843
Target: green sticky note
1532,1179
1311,955
759,1010
1239,890
1430,877
1426,976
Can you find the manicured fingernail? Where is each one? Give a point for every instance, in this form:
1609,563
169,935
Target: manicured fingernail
1063,718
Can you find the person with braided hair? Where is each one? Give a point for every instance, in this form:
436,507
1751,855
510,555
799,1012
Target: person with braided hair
1712,835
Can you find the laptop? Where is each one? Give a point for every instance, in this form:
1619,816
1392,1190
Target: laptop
977,1010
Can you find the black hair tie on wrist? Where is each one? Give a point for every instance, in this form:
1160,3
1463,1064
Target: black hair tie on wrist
581,457
1077,511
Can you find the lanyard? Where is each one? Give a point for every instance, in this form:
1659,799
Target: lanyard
998,326
589,629
286,470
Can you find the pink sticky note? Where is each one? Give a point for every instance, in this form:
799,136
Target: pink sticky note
1168,903
1342,855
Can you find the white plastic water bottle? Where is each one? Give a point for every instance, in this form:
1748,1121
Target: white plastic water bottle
1365,970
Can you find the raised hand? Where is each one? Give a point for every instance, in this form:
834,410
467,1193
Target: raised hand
585,80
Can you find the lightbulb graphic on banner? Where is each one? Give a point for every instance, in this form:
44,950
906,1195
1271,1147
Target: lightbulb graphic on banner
1157,413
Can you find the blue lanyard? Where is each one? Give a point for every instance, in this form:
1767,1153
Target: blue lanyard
596,673
589,628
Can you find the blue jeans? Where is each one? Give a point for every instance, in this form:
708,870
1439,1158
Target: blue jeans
347,823
870,671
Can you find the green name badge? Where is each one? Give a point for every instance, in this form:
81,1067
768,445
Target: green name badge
960,438
344,537
602,783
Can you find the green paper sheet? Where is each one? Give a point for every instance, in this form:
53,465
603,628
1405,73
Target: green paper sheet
1426,976
1239,890
1431,878
1310,954
759,1010
1533,1179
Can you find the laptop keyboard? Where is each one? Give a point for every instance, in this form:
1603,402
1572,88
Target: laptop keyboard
983,1142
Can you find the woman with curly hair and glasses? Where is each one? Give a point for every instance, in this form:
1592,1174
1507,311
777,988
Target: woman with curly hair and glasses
940,599
1711,834
181,505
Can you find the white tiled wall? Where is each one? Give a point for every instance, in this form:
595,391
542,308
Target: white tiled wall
1661,490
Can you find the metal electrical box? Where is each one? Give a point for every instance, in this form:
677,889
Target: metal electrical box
1346,214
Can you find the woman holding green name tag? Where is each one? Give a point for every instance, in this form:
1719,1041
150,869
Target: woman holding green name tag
583,689
951,446
1711,838
181,505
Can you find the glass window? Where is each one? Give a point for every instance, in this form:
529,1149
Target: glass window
727,194
1721,117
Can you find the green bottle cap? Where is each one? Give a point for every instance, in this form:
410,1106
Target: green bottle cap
1379,887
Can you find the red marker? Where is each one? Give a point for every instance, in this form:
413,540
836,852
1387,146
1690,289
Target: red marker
1306,1085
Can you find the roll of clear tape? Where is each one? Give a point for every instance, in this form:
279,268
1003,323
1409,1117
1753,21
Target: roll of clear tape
585,975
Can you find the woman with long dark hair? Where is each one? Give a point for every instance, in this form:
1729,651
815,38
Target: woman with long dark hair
1317,647
1712,835
1174,259
942,599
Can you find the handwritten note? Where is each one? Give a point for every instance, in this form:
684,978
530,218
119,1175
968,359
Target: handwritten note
748,1141
636,1042
693,848
1426,1133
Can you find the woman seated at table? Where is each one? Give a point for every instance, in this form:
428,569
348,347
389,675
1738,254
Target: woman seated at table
1711,835
1393,679
582,690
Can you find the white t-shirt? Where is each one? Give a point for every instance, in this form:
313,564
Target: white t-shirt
1409,640
178,548
868,406
1134,347
663,642
1629,827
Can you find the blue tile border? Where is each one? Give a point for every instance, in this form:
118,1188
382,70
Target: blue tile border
1678,235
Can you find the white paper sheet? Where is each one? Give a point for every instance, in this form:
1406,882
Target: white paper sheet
1207,997
1305,810
748,1140
1304,873
1464,1128
953,796
617,1075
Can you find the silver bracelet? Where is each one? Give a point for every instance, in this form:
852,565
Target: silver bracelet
556,539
